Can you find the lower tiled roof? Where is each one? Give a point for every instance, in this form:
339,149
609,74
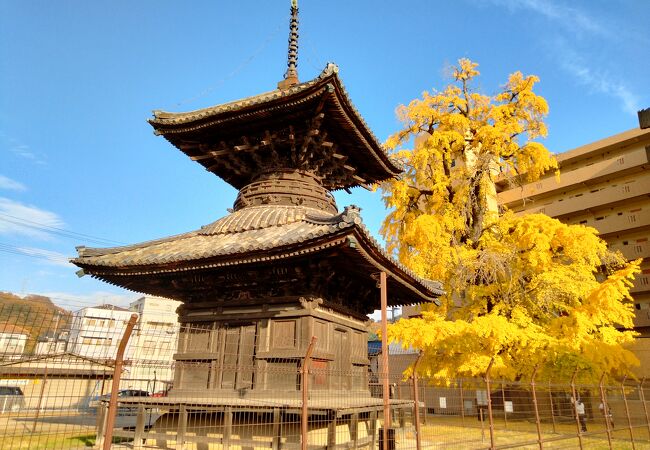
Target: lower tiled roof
253,233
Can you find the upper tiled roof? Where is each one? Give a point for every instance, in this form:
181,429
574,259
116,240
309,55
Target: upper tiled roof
172,118
213,136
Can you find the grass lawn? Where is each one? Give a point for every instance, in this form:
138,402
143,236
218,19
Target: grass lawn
449,432
51,441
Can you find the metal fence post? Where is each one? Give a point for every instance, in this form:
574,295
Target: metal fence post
304,373
462,402
627,412
384,358
503,400
603,401
574,399
540,441
550,398
40,400
117,373
416,403
645,407
489,404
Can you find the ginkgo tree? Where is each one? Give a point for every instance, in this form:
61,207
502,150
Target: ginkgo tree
527,291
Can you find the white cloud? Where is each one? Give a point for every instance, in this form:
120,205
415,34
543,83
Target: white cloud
26,220
571,18
598,81
20,149
575,22
13,185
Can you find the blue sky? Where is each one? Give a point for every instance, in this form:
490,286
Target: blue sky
79,165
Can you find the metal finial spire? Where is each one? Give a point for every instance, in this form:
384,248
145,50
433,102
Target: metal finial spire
291,75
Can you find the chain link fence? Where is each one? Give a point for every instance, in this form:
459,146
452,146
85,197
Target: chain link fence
106,377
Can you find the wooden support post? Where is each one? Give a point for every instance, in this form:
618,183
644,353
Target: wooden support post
373,429
182,428
227,428
354,430
384,357
277,429
139,428
102,410
117,374
304,411
331,431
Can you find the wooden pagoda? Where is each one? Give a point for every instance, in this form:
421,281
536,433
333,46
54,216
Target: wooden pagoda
285,264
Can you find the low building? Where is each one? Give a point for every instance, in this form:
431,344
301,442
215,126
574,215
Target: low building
52,342
96,331
13,340
61,381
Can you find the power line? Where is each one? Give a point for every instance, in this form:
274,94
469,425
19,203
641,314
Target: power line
33,253
235,71
57,231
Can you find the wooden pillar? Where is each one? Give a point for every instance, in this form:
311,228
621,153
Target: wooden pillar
373,429
277,429
331,431
354,430
102,415
139,428
227,428
304,410
182,428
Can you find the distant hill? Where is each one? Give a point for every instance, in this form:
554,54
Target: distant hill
34,313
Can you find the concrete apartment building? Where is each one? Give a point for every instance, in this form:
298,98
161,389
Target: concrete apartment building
605,185
95,331
153,343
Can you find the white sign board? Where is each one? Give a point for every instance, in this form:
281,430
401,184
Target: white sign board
443,402
5,382
508,406
481,398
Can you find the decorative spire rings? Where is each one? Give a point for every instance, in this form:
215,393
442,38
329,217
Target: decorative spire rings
291,76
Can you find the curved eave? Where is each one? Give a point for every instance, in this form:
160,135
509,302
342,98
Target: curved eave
260,256
175,126
351,236
424,290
